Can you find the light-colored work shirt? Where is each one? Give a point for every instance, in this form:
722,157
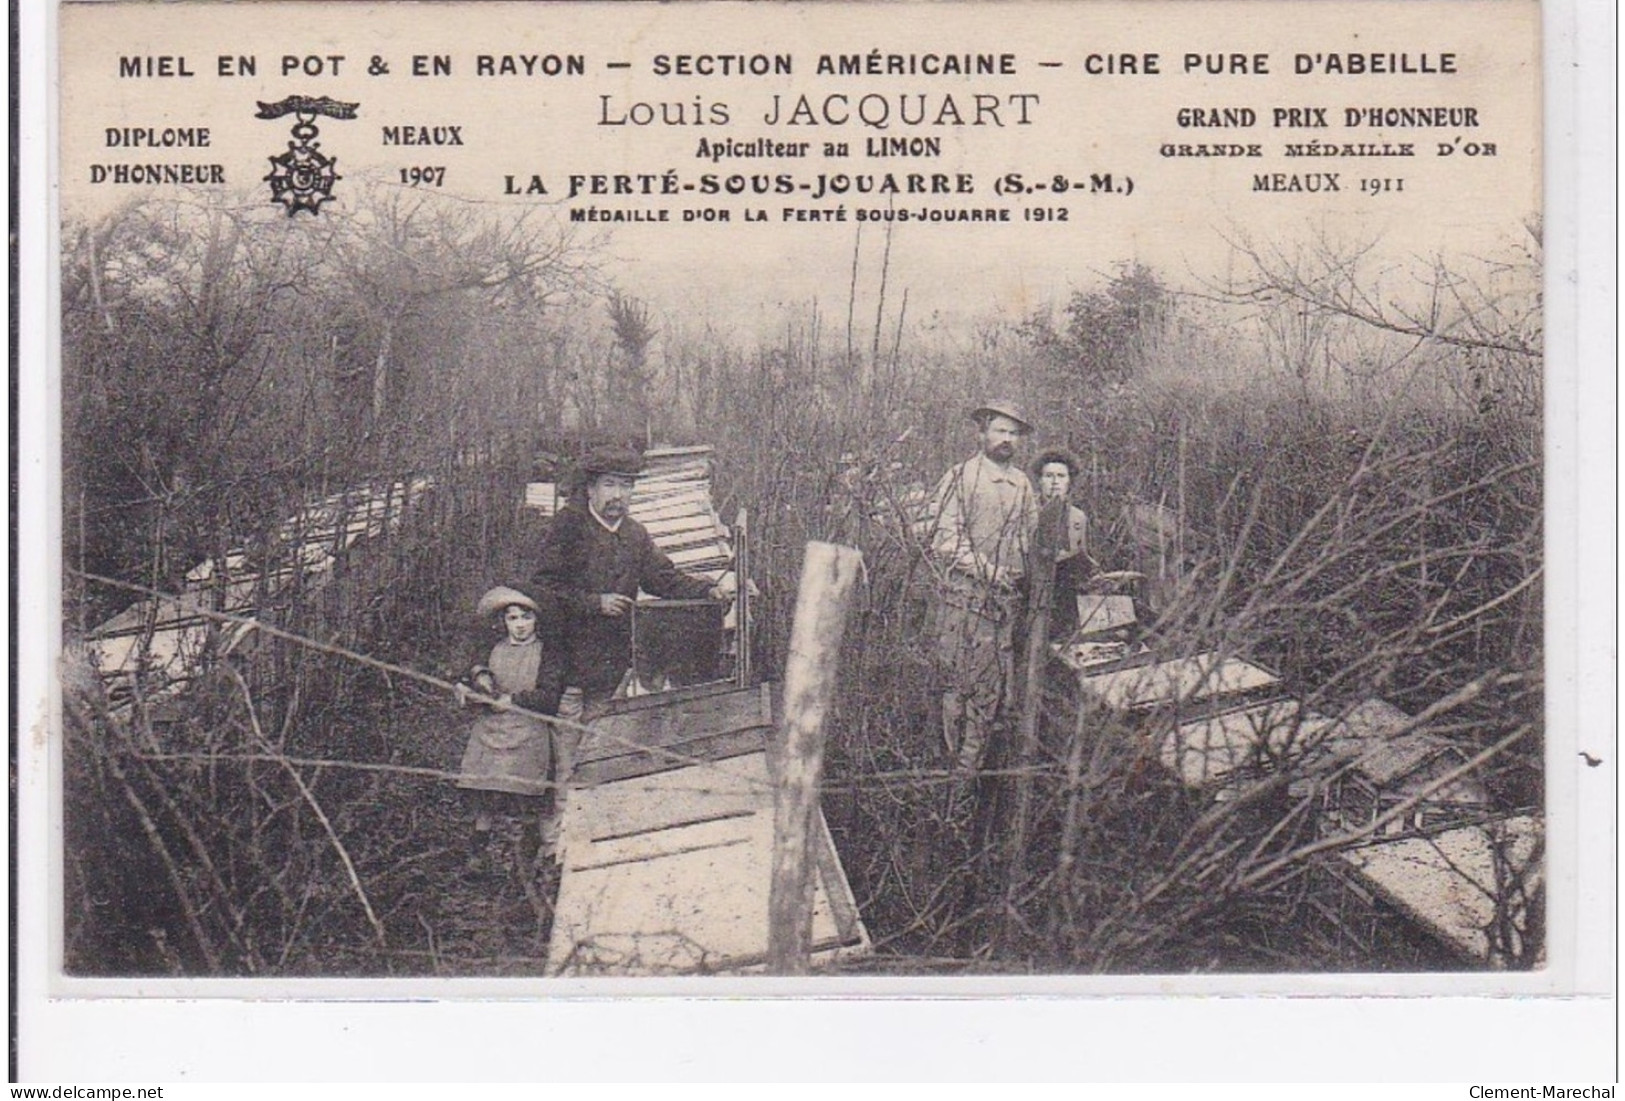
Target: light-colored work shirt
986,514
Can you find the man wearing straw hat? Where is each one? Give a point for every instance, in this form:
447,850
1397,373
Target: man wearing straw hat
985,515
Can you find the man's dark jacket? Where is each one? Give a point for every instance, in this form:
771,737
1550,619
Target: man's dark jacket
579,559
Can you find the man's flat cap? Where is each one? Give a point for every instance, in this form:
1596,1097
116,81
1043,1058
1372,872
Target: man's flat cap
612,460
1002,409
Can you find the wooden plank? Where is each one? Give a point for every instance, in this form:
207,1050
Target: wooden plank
660,525
643,918
668,506
691,518
1203,676
689,527
703,565
172,652
734,786
695,910
1211,707
656,454
650,743
653,489
1365,729
646,601
693,540
542,495
626,705
837,889
699,556
682,524
692,501
707,747
138,619
672,481
697,472
657,505
1097,612
653,511
1095,657
671,721
689,556
697,549
676,476
693,896
717,832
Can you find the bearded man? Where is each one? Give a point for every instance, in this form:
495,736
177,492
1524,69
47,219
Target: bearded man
985,515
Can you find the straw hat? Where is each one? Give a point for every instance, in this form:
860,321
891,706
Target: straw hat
1002,409
500,598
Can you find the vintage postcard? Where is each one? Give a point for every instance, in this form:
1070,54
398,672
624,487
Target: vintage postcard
974,498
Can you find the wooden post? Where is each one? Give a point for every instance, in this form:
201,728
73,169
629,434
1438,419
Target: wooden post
828,574
742,670
1049,538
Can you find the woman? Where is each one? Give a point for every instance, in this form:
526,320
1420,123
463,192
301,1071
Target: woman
1053,472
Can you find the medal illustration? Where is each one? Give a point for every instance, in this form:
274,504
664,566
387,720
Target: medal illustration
303,177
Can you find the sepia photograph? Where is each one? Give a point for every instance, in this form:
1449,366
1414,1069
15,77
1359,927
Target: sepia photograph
854,491
921,539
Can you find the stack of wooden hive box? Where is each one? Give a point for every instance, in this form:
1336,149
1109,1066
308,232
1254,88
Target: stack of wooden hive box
163,639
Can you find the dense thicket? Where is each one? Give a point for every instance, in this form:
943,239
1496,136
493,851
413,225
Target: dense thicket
1358,488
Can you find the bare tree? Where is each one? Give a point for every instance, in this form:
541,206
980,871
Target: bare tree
406,250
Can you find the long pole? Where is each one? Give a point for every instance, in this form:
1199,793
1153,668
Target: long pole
742,597
1048,540
828,576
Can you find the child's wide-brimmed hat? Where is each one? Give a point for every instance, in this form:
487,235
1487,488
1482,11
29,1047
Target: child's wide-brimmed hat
500,598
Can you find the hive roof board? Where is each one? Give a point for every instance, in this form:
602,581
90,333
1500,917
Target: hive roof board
1449,883
667,850
1378,738
165,635
1381,744
1210,749
543,497
1201,677
1099,612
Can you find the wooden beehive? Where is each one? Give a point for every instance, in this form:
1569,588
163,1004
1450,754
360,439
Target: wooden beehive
1378,761
1213,747
667,847
164,640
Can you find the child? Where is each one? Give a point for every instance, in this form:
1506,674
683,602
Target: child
509,756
